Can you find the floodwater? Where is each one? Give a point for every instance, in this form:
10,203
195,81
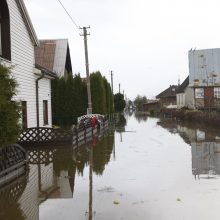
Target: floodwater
143,168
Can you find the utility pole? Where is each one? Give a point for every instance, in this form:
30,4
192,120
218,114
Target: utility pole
112,81
112,92
85,34
119,88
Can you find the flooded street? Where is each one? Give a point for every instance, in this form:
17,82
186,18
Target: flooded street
143,168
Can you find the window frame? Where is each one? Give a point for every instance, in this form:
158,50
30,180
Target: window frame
24,115
45,112
217,92
5,32
199,95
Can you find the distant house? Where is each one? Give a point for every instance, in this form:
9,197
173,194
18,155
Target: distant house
151,105
204,77
185,95
168,96
17,43
54,55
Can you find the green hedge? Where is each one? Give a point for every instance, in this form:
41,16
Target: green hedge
9,109
69,98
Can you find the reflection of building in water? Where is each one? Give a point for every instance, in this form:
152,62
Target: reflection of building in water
50,177
205,158
43,184
205,148
188,134
9,199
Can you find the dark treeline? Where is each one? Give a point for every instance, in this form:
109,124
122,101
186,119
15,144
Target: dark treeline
119,102
69,98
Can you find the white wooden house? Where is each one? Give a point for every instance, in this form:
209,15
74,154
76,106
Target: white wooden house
185,95
17,43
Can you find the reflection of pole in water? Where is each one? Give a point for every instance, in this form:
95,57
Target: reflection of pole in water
121,136
113,133
89,215
114,155
90,181
39,177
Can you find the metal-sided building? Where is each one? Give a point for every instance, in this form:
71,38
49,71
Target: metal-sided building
204,77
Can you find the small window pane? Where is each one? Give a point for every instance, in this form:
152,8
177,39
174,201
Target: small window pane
45,112
217,92
200,135
24,114
199,93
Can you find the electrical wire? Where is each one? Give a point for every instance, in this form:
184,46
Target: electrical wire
71,18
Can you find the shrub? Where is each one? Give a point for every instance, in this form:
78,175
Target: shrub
9,109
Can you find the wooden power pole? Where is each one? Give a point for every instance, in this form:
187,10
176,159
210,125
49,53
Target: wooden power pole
112,82
85,34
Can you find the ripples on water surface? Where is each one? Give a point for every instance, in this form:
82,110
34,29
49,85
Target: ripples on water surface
144,168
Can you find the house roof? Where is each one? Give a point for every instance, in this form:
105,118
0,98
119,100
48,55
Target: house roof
183,86
46,71
54,55
169,92
151,102
28,22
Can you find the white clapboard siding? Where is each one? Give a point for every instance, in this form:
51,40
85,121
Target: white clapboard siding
44,94
23,60
29,202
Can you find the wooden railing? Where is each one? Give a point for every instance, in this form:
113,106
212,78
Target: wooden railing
43,134
12,162
83,132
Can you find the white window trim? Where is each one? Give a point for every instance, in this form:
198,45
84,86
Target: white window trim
199,95
217,92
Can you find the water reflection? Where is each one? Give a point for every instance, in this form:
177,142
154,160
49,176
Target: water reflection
140,117
52,173
120,125
205,146
10,195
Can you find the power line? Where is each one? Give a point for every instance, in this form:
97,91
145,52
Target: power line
71,18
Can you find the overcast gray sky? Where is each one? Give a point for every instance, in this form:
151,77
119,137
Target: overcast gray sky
145,42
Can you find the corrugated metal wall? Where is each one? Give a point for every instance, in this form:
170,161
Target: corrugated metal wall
204,67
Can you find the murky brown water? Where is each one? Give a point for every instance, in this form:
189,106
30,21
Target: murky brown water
142,169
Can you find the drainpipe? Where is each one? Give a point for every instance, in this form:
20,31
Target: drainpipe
37,97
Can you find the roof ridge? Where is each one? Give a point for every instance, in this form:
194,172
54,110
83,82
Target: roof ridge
29,24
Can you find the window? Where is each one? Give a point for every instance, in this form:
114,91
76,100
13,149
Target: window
0,34
217,92
45,112
199,93
24,114
5,38
200,135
